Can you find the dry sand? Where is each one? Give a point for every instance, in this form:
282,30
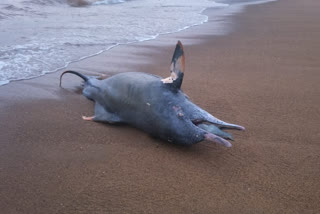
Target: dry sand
264,75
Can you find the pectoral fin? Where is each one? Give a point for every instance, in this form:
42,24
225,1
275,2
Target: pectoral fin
102,115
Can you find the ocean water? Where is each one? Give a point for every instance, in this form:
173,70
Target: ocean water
42,36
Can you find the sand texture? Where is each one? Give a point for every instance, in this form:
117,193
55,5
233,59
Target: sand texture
264,75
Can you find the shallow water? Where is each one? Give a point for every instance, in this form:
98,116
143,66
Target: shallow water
42,36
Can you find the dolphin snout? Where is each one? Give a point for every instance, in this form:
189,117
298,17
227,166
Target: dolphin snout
215,130
216,139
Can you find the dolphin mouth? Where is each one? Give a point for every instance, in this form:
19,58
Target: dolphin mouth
211,128
216,139
214,133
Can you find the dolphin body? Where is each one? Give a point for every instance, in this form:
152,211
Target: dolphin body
156,106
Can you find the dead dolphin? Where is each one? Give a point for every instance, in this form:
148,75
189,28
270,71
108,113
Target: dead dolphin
156,106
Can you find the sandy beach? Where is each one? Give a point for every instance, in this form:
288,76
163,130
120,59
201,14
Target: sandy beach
263,75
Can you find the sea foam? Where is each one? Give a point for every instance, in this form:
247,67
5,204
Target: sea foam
42,36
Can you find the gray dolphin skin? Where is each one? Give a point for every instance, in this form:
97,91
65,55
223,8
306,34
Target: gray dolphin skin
154,105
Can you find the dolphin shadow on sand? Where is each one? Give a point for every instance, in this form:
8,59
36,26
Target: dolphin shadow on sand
156,106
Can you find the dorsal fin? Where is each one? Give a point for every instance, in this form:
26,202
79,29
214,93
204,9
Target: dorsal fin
176,67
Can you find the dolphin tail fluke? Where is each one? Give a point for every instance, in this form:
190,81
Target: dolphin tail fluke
177,67
85,78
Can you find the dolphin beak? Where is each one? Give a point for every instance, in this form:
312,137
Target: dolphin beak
216,139
215,130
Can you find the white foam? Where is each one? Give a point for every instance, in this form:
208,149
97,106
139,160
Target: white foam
2,64
108,2
4,82
54,35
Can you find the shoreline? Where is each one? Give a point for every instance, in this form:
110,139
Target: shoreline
224,14
263,75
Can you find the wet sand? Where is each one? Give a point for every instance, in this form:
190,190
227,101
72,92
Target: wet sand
264,75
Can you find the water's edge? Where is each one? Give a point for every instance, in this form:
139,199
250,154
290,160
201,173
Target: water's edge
230,11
